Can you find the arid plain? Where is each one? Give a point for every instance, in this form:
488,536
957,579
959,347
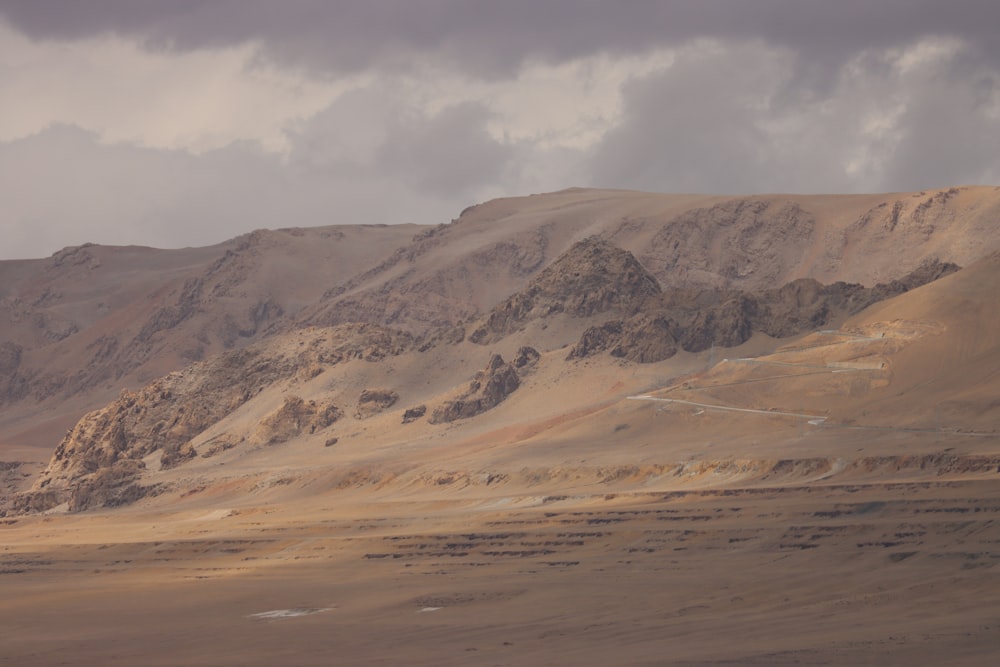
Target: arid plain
589,427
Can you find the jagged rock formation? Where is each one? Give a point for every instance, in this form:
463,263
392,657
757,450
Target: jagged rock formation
488,388
725,324
373,401
591,277
927,272
105,450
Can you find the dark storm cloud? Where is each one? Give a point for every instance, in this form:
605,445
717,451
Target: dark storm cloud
948,138
495,38
753,96
686,128
721,120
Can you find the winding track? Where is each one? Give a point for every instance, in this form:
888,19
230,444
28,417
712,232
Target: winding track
709,406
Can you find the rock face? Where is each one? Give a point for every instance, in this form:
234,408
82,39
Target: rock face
488,388
101,458
591,277
373,401
927,272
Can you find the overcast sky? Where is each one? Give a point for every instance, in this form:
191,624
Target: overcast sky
176,123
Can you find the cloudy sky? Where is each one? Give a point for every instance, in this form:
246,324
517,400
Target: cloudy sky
186,122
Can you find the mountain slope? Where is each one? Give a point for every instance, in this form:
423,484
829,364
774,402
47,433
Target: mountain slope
77,327
459,271
282,388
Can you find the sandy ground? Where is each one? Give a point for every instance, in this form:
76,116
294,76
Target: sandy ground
854,573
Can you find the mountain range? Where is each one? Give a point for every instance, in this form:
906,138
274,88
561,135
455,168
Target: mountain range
612,360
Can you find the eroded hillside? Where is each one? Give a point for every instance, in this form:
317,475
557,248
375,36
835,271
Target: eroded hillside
291,386
588,427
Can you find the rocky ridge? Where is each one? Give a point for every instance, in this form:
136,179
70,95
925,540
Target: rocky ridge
489,387
697,320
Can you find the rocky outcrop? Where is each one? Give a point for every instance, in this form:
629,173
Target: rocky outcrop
414,413
488,388
927,272
295,417
112,487
107,446
14,476
642,339
699,319
525,358
373,401
726,324
591,277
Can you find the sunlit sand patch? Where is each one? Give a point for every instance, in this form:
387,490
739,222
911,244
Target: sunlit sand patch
280,614
214,515
426,609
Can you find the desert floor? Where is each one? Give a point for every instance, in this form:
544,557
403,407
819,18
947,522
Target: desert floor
859,572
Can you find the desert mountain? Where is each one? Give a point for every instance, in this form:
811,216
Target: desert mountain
112,456
100,317
476,441
88,321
